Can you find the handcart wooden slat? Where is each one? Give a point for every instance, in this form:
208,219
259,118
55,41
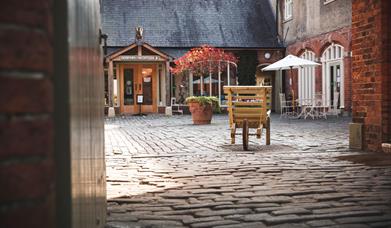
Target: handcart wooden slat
249,108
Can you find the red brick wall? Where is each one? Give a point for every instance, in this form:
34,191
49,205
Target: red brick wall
275,55
26,108
318,44
386,66
371,70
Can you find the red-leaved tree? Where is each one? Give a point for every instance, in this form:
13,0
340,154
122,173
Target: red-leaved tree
203,60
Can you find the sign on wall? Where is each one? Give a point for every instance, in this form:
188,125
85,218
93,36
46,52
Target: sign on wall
139,58
140,99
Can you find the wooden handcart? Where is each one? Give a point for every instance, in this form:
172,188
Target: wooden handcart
249,107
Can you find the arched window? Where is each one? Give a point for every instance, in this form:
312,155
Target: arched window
306,79
333,75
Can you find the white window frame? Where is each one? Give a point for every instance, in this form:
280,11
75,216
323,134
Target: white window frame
306,79
332,55
288,9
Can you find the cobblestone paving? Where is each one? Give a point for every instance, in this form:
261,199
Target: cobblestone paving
165,172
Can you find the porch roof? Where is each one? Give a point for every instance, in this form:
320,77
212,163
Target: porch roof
120,51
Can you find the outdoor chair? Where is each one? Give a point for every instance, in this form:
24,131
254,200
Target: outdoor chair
176,108
286,106
319,107
333,110
249,108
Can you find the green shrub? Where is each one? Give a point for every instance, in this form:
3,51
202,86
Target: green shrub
205,100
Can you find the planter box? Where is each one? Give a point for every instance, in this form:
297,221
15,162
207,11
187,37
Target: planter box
355,136
386,148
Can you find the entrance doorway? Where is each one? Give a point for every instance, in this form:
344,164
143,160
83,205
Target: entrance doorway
138,79
333,75
335,82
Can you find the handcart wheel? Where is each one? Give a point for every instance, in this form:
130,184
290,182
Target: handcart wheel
245,134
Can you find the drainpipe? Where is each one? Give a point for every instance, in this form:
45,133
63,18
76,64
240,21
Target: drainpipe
103,36
277,20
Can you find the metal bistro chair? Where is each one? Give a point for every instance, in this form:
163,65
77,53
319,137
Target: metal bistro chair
333,110
286,106
319,107
176,108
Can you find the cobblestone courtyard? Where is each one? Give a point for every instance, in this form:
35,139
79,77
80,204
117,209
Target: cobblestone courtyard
165,172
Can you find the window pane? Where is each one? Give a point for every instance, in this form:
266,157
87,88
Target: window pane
147,85
339,52
128,87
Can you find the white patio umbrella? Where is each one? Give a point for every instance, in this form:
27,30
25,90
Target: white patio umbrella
206,81
290,62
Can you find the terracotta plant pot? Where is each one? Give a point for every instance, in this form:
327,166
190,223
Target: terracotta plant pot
201,114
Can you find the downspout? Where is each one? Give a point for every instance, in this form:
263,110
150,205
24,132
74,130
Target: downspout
277,19
103,36
280,41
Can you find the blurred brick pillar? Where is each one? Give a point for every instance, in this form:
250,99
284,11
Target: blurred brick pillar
52,171
26,114
371,87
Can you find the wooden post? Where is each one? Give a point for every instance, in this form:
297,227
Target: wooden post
231,122
110,83
267,95
268,131
202,84
158,74
210,79
263,94
190,83
219,79
293,91
228,75
230,107
118,86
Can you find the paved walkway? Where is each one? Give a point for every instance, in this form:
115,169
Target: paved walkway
165,172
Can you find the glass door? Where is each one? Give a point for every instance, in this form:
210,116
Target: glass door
147,82
138,79
128,91
335,82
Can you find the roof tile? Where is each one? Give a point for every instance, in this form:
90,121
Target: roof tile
190,23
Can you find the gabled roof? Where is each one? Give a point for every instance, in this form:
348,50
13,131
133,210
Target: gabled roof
190,23
134,45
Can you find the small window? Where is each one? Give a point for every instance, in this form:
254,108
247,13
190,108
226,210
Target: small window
288,9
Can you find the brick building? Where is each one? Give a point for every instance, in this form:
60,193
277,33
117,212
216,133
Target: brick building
352,42
51,142
171,28
371,79
319,31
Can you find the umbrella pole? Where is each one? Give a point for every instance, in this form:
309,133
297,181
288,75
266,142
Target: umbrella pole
292,91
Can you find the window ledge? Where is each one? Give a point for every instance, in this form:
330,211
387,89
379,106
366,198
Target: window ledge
287,20
328,2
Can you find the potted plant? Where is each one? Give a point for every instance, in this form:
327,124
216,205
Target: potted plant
202,108
202,61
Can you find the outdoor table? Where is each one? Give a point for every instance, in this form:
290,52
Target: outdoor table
306,106
310,108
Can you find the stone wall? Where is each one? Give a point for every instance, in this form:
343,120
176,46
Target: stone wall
312,18
371,70
27,177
